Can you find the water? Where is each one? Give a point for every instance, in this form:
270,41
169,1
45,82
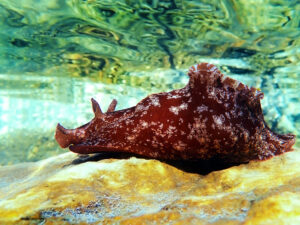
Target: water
57,54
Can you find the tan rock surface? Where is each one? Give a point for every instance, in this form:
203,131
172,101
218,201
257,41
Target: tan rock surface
140,191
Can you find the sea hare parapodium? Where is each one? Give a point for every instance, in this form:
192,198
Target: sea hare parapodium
213,116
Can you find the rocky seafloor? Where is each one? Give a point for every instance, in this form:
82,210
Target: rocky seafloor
67,189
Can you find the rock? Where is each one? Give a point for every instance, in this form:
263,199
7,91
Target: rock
66,189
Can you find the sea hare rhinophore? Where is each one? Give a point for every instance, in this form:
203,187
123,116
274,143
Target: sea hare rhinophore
213,116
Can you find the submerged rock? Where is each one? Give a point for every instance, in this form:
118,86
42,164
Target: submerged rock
69,190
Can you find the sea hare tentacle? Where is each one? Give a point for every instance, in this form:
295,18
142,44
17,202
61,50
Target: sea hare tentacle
65,137
112,106
97,110
213,116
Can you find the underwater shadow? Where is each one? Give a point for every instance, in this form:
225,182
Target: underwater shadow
201,167
102,155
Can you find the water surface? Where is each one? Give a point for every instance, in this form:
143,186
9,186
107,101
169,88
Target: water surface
57,54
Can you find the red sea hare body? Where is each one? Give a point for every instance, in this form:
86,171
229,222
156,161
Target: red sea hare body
213,116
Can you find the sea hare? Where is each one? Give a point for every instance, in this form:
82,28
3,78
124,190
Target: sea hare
213,116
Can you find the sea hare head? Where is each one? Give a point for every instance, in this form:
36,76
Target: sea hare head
84,137
213,116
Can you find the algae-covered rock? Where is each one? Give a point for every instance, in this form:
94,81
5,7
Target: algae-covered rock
67,190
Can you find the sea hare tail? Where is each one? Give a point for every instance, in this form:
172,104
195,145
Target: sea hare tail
275,144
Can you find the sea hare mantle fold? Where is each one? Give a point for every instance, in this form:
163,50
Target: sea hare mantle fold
213,116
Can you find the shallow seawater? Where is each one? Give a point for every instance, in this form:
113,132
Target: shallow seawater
57,54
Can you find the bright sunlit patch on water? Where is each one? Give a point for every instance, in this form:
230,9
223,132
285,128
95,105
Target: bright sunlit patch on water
4,106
